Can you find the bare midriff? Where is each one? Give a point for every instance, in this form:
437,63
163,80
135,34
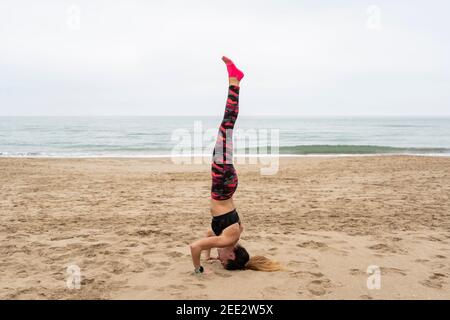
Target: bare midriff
219,207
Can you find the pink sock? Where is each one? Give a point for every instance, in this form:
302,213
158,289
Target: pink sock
233,72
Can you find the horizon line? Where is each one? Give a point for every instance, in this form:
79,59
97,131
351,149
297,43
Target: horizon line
241,116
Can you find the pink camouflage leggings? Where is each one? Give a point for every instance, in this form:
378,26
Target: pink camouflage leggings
223,173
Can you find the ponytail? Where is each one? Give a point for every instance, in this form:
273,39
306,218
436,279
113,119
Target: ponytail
260,263
243,261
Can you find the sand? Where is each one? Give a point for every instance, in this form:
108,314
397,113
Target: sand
127,223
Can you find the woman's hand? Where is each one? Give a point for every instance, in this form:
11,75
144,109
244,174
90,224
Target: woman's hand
206,272
212,259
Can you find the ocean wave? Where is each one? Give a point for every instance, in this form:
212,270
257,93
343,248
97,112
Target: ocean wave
358,149
299,150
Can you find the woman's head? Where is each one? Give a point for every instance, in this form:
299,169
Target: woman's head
233,258
237,258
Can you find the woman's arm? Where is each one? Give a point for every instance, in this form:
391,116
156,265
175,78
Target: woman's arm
209,233
208,243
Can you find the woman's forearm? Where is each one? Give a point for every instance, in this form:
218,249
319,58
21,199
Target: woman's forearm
196,251
206,244
207,254
209,233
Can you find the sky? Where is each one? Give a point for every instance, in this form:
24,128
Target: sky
301,58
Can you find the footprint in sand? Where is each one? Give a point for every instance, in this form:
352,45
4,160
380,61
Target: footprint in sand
86,281
100,245
160,269
357,272
385,248
176,287
438,276
316,274
59,276
269,292
312,245
223,275
138,269
436,281
145,233
421,260
320,246
304,274
174,290
140,288
392,270
318,287
22,274
394,239
435,265
174,254
115,267
384,271
302,264
123,251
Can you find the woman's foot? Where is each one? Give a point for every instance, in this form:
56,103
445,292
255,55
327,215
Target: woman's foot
234,74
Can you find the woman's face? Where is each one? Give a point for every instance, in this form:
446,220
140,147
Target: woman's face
225,254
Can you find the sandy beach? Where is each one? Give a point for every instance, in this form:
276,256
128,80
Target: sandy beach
127,224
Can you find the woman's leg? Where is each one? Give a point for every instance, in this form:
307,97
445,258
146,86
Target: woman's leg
223,173
224,177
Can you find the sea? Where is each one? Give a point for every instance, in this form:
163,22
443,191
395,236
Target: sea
151,136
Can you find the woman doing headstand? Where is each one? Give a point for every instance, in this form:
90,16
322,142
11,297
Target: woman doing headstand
226,227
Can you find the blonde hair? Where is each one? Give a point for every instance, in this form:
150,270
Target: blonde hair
261,263
242,261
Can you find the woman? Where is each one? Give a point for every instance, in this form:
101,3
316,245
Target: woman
226,225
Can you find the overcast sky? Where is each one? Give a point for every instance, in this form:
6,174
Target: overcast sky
105,57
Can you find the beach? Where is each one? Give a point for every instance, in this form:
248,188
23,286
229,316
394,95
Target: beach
126,223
